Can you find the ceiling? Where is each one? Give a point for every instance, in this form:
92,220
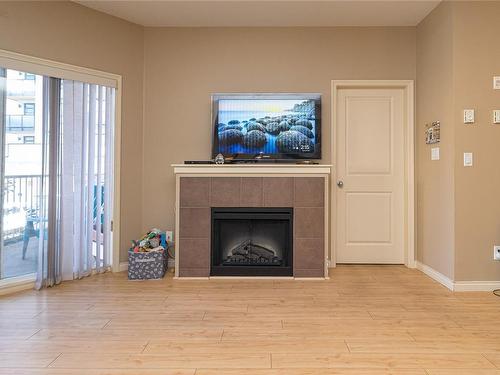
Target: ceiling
186,13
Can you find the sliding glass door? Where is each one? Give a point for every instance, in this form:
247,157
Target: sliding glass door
21,119
56,174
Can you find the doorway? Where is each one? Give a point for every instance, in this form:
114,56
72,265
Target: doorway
373,192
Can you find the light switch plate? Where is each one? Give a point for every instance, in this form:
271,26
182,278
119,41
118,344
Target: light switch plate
496,83
496,252
496,116
467,159
435,153
468,116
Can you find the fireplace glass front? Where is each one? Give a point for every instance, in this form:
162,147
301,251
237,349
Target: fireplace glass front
252,242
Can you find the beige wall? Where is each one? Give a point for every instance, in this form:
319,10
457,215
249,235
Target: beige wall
459,207
184,66
435,179
477,188
70,33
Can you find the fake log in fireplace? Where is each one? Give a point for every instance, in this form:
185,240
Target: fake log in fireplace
252,242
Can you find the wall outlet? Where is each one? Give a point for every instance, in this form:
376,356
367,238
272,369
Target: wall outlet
496,252
169,235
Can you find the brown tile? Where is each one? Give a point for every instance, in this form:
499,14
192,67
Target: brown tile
195,192
194,222
309,222
309,191
278,191
194,253
308,253
194,272
225,192
308,273
251,192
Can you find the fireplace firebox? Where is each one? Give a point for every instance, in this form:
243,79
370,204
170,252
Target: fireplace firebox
252,241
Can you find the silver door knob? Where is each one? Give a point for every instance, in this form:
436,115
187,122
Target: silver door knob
340,183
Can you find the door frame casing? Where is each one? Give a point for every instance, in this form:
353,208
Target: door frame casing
409,164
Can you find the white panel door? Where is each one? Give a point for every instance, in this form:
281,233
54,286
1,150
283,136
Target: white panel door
370,175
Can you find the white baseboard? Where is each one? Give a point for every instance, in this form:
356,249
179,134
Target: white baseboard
123,266
476,286
458,286
438,276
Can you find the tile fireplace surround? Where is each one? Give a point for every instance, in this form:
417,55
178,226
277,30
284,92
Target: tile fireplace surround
202,187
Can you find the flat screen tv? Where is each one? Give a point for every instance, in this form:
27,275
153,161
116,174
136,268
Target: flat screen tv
267,126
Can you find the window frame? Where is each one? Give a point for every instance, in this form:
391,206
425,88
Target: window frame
32,137
32,105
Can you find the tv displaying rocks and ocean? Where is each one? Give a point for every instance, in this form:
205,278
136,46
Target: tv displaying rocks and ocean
266,126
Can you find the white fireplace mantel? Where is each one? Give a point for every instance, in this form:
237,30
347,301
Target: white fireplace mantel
251,169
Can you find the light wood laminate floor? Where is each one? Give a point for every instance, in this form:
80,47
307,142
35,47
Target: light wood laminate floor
375,320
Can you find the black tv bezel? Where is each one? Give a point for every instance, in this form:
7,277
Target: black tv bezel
316,155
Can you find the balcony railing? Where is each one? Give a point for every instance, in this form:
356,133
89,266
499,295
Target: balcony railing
22,191
19,123
21,200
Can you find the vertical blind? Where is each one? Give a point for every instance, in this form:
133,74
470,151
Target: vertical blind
86,177
77,184
49,255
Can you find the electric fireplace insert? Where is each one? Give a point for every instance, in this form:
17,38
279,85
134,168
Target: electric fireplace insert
252,241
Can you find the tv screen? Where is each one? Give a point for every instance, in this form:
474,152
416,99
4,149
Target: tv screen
267,126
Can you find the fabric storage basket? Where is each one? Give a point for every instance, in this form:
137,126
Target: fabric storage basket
146,266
